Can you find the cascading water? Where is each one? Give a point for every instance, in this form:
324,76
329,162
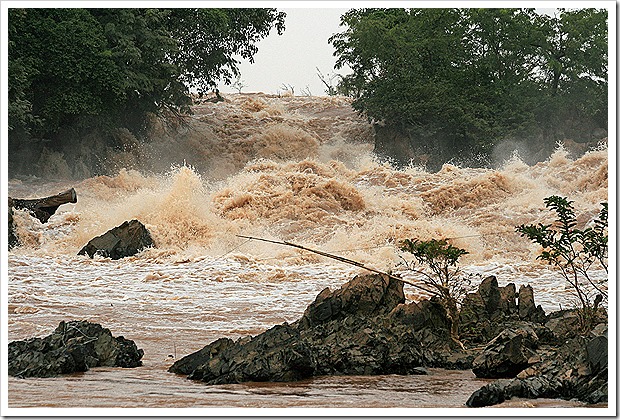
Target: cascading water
295,169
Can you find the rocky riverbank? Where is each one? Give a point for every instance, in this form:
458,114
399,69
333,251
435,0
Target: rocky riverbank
366,328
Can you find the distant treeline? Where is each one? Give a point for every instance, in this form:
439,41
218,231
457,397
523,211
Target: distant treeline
457,82
76,71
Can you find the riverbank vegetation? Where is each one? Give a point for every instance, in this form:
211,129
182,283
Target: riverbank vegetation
78,76
458,82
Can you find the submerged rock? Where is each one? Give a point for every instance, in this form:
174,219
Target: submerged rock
122,241
74,346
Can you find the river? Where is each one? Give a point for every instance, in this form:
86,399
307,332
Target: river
202,282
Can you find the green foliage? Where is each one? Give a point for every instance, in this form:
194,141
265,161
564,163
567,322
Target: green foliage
112,67
575,252
440,273
474,76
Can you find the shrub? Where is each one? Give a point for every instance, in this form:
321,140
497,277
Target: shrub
441,274
575,252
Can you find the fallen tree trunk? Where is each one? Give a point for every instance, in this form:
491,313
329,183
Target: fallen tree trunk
44,208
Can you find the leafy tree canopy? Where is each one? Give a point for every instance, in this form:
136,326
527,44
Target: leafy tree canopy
114,66
474,75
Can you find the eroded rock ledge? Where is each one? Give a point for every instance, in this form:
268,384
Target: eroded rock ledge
74,346
366,328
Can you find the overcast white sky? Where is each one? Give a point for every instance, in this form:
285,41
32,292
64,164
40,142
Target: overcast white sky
292,58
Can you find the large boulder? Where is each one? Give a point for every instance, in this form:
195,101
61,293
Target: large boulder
122,241
74,346
507,354
346,331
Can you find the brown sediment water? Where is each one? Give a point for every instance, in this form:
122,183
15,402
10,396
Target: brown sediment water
297,179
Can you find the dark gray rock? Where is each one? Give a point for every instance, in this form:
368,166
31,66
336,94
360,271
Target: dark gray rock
122,241
74,346
507,354
528,310
491,309
424,314
596,349
276,355
575,370
346,331
44,208
362,296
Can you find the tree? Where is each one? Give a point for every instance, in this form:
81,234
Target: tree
574,252
209,40
464,79
84,68
441,274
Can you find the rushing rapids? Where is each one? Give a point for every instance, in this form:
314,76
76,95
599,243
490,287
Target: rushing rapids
294,169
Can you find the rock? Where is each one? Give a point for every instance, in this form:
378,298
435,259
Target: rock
74,346
346,331
364,295
528,310
564,323
44,208
575,370
491,309
507,354
505,389
122,241
13,241
424,314
596,349
276,355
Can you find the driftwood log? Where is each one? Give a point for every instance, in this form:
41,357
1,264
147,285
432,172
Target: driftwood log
44,208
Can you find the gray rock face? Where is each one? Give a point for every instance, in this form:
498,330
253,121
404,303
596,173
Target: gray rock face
122,241
353,330
507,354
577,369
74,346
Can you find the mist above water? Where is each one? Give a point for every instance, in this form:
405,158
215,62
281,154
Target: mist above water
301,169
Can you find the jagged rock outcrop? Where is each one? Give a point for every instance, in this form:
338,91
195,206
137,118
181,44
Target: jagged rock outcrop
577,369
74,346
360,329
366,328
488,311
122,241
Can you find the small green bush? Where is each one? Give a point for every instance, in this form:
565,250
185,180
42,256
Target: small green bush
441,274
575,252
